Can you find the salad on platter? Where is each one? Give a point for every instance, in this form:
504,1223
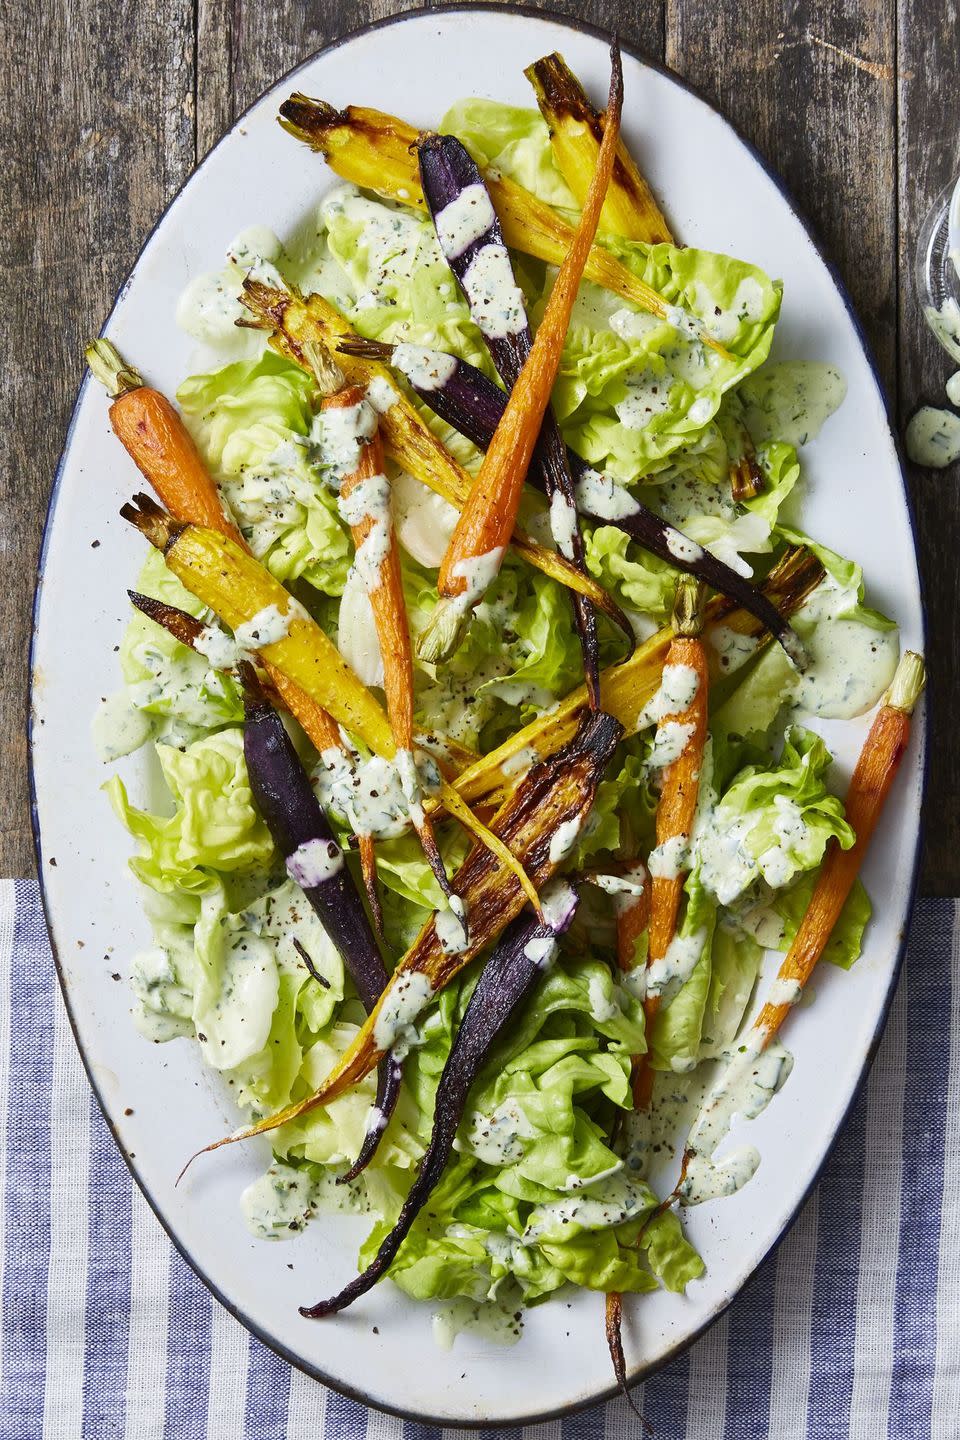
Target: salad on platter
481,649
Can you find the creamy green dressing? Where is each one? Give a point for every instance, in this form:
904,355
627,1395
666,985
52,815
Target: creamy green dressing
668,860
340,433
564,838
368,502
732,649
267,627
395,1028
669,743
723,323
448,924
314,862
489,1320
678,688
647,396
665,976
279,1204
369,794
603,497
617,1200
850,667
945,324
119,727
467,217
563,523
425,369
497,1138
745,1087
791,401
933,438
496,300
681,547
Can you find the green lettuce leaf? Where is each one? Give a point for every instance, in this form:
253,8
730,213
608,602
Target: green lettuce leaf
214,827
772,822
252,422
774,921
515,141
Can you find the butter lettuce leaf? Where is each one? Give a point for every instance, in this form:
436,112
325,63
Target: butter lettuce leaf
773,822
251,421
214,825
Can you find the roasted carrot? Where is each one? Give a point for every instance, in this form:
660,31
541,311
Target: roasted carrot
237,588
675,811
297,325
869,786
153,434
158,442
486,522
576,130
384,586
378,152
873,775
560,789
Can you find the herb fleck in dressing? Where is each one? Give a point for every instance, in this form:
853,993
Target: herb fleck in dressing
395,1027
745,1087
933,437
495,298
465,220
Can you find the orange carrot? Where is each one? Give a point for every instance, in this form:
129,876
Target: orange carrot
153,434
869,787
389,615
488,518
155,437
633,917
678,797
870,784
675,812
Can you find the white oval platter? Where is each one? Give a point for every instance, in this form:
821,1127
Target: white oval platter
719,196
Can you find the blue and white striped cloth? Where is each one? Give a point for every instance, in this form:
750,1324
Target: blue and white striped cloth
851,1330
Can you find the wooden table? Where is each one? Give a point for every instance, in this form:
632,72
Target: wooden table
107,109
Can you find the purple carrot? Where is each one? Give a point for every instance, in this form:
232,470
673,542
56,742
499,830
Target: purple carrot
284,797
465,398
519,961
472,242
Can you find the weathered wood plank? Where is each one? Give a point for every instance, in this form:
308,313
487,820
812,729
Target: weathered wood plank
928,159
271,38
96,131
812,86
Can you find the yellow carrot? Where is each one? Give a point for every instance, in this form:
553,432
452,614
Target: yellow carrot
576,131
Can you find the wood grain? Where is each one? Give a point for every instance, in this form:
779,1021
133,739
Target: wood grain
847,101
928,159
96,133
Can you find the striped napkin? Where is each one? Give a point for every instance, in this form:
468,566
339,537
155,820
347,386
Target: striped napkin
851,1330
